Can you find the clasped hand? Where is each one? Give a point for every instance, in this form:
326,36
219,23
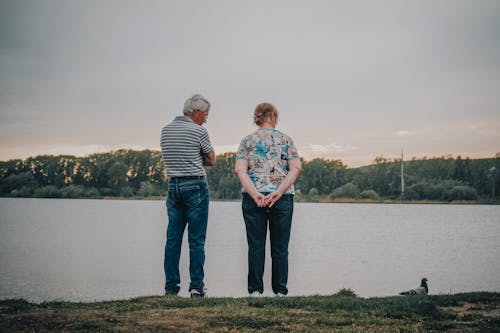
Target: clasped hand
269,200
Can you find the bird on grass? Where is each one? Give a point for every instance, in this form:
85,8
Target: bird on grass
422,290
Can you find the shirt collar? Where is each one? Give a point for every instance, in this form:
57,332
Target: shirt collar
184,118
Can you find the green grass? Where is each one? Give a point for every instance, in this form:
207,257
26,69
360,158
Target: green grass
342,312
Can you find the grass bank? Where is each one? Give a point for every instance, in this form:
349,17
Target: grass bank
343,312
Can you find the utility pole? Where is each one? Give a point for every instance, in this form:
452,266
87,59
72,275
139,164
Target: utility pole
493,179
402,175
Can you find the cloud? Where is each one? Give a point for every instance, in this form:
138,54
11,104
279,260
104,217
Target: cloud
331,150
404,133
318,148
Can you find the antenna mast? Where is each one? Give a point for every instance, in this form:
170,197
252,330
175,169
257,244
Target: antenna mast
402,175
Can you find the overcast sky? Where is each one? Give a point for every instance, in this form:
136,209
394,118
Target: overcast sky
352,79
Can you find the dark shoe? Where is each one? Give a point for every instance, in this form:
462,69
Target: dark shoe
170,293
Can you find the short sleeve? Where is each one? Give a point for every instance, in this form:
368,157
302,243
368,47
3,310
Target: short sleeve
242,153
206,146
291,151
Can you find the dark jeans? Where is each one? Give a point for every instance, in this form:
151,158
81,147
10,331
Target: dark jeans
256,219
187,204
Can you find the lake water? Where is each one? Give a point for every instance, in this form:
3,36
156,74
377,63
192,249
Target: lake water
86,250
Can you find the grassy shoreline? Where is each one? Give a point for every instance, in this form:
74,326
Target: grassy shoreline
342,312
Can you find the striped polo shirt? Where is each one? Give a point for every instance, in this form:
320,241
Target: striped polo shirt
182,145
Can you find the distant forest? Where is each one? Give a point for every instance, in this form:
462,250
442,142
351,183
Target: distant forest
129,173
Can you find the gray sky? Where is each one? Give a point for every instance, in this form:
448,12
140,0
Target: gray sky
352,79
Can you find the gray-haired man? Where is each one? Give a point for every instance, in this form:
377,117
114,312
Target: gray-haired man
186,148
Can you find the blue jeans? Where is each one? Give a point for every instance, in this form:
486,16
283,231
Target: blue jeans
279,217
187,204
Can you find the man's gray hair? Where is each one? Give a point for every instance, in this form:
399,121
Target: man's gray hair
196,102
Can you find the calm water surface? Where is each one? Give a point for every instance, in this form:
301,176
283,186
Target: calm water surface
86,250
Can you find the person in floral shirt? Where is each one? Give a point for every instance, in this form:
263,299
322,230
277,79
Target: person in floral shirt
267,165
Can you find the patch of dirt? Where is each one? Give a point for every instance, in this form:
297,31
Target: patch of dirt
485,310
150,299
169,318
300,311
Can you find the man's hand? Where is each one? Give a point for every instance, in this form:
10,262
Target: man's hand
209,159
272,197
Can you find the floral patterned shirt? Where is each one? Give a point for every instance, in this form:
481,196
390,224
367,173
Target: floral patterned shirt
267,151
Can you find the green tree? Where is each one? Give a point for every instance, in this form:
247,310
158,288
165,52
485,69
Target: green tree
16,182
369,194
126,172
146,189
461,192
72,191
117,175
222,181
46,170
49,191
348,190
322,174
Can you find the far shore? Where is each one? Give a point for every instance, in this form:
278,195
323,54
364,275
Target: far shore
342,200
309,200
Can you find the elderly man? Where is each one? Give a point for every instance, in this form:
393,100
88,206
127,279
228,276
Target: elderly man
186,148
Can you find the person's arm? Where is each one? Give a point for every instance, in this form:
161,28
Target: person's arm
295,167
206,149
241,170
209,159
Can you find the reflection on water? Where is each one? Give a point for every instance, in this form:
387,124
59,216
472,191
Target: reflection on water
85,250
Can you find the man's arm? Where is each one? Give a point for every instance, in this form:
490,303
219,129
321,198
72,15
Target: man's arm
209,159
241,170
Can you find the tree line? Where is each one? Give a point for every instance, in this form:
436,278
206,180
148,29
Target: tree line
129,173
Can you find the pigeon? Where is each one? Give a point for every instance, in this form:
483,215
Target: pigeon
422,290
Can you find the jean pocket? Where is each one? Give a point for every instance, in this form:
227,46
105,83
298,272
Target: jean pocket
191,195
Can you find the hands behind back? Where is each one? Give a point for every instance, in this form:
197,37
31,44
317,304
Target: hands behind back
269,200
272,197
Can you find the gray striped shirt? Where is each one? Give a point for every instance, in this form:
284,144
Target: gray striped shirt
182,145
